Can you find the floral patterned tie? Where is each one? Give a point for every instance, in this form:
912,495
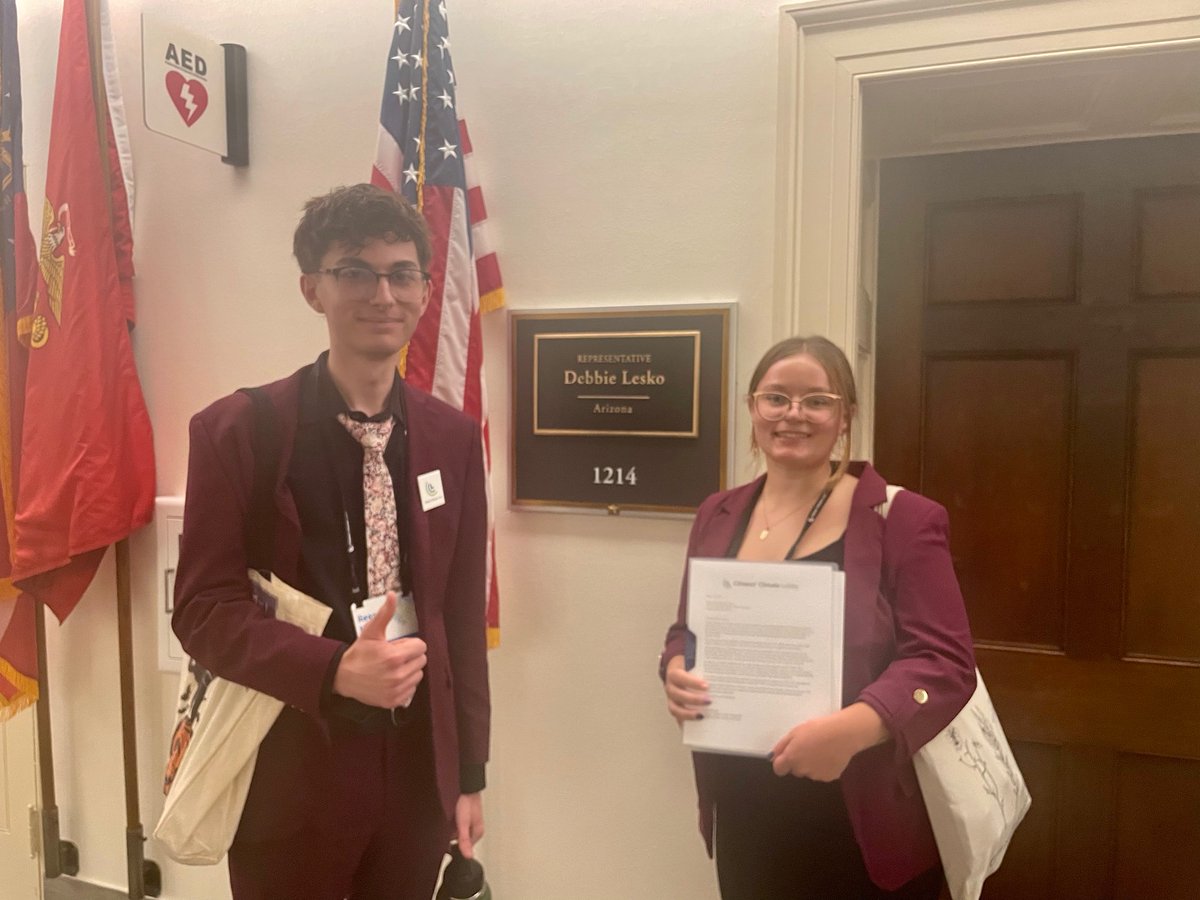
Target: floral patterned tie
379,505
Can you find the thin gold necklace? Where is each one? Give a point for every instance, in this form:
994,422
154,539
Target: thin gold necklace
762,535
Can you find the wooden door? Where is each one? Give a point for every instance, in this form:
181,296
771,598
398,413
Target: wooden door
1039,374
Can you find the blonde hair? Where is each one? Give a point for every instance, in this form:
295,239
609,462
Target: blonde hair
841,382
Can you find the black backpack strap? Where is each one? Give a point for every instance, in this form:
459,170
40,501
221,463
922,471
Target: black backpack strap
260,519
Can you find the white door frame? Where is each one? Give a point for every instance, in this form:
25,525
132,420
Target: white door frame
830,50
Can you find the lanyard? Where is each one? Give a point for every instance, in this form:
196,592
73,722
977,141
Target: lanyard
817,506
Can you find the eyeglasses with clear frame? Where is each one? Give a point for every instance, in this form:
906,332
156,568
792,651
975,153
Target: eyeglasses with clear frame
359,282
819,407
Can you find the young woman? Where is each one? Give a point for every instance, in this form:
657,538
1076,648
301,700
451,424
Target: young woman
835,812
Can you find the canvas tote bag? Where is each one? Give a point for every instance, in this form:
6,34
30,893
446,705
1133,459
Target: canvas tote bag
973,791
216,739
220,724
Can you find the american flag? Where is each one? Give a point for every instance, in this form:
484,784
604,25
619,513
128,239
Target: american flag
424,154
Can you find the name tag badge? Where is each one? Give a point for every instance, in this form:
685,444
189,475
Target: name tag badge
430,489
404,620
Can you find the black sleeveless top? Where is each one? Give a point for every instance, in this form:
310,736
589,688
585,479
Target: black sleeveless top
831,553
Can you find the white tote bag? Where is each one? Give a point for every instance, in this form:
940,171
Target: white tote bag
216,738
973,791
974,794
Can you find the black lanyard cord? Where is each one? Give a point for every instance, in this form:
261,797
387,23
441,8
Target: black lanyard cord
817,506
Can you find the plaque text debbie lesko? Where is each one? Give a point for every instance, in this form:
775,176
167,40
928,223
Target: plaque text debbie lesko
636,383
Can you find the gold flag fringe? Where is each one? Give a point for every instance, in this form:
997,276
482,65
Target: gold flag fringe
27,687
491,301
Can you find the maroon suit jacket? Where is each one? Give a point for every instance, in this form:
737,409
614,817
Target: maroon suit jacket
221,627
906,632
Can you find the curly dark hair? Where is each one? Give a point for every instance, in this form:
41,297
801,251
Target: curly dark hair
354,215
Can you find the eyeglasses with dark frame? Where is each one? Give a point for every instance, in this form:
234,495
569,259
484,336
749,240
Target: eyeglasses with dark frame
773,406
359,281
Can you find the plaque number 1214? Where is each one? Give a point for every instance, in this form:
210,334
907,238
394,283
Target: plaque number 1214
611,475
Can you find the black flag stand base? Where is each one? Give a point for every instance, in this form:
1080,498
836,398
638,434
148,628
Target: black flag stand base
59,857
66,860
145,878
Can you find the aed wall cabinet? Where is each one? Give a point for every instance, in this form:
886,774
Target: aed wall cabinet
620,409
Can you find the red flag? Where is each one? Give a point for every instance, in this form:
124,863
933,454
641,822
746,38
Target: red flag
87,458
423,153
18,650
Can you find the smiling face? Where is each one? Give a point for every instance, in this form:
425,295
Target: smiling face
798,440
375,326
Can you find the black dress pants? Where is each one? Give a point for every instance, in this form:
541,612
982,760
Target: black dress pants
791,839
379,833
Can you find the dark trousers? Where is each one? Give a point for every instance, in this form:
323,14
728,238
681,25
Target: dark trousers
791,839
379,832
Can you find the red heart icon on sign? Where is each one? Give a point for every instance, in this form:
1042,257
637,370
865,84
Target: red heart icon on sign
188,95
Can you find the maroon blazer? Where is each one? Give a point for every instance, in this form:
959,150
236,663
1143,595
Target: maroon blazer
221,627
908,655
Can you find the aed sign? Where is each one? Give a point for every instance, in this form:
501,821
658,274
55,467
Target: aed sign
183,82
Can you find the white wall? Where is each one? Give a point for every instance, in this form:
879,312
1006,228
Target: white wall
627,153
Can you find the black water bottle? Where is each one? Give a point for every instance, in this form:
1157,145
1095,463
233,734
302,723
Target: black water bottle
463,879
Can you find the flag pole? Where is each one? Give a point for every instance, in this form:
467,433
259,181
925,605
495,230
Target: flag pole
59,857
143,874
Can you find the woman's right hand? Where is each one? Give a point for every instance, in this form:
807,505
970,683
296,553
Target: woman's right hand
687,692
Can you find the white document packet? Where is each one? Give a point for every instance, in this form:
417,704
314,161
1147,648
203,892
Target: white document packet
769,644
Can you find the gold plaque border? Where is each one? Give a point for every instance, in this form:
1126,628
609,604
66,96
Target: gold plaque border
560,432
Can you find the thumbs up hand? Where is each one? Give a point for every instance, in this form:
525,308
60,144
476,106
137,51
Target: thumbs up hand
379,672
376,629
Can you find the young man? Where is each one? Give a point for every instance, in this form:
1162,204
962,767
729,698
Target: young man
378,755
